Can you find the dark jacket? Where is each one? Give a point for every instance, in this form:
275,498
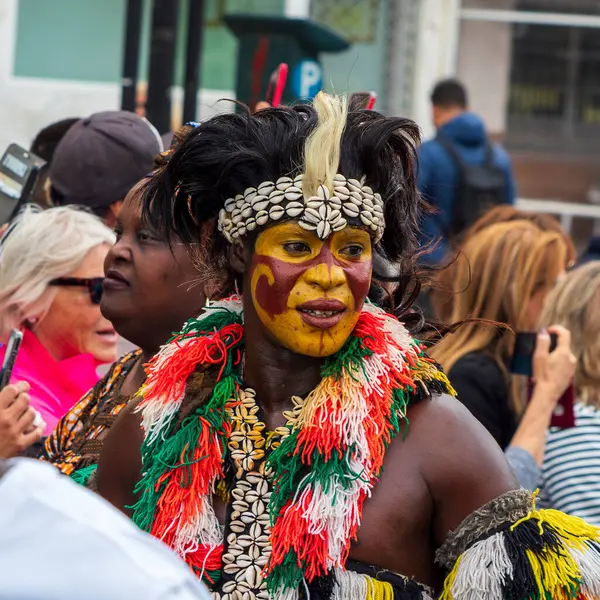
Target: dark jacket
592,252
484,389
438,175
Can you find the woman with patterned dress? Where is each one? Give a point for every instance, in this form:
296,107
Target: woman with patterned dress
294,441
149,292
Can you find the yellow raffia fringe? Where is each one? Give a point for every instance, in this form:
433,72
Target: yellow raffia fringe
332,391
572,530
379,590
554,573
222,492
447,593
426,371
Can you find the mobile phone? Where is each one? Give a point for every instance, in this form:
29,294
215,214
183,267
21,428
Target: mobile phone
563,416
522,358
564,413
277,85
19,170
363,101
8,364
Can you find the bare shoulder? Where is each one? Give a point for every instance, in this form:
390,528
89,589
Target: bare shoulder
452,442
120,463
463,466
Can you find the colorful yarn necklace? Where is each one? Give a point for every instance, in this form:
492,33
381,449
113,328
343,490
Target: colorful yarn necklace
296,493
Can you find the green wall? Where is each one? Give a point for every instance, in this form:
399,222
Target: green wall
361,68
70,39
83,40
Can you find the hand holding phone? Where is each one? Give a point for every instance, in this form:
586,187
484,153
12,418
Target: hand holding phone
554,364
20,424
553,370
10,357
525,344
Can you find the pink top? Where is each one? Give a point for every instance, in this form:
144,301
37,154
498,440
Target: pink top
56,386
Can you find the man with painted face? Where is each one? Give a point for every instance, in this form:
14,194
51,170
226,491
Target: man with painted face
267,421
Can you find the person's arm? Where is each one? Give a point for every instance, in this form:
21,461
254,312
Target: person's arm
18,430
464,468
511,184
480,386
432,226
552,374
120,464
524,467
188,590
490,536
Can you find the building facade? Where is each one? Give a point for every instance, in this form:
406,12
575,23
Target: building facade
531,67
63,58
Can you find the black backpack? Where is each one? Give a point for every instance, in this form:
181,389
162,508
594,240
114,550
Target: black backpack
480,188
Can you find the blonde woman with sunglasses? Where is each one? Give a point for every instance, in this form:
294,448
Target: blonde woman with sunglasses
51,271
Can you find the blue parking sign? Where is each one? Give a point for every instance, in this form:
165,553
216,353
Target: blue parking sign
307,79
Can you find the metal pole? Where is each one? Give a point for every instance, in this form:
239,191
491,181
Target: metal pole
193,61
131,56
530,17
162,63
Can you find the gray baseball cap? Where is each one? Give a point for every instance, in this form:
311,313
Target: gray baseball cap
101,158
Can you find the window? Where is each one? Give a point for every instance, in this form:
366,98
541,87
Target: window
583,7
554,91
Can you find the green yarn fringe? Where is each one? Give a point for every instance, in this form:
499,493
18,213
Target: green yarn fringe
82,476
166,452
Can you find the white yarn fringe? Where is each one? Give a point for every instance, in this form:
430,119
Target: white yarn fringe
158,413
337,510
588,562
203,530
483,570
349,586
288,594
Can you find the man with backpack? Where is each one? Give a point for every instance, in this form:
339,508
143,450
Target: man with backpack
460,172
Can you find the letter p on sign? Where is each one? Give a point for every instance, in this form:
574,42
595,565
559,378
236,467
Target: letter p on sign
307,79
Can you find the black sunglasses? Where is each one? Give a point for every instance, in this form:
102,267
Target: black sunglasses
94,285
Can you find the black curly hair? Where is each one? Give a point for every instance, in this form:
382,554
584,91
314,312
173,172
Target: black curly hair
231,152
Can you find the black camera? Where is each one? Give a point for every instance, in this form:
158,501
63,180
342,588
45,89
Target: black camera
19,171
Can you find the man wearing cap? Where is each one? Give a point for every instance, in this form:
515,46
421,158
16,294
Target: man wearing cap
100,159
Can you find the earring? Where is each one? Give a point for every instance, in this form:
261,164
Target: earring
31,322
207,303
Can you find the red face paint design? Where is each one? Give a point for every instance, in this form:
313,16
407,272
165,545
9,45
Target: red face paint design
309,293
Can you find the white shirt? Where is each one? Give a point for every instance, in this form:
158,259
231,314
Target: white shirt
59,541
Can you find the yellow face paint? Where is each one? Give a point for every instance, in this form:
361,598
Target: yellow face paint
307,292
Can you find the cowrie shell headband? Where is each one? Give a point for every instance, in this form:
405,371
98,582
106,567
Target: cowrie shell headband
352,203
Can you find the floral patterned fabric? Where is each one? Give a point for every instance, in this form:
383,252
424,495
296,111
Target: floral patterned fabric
76,441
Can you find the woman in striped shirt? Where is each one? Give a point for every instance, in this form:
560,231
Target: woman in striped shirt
571,468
